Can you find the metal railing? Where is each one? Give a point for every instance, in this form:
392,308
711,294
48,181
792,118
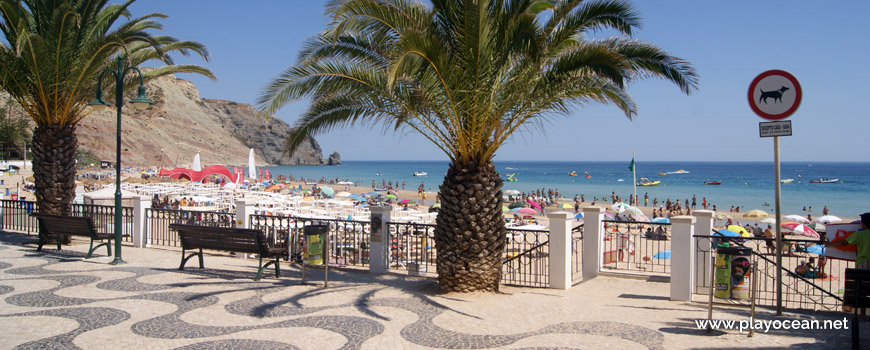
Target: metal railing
821,291
527,258
16,217
577,254
158,220
637,246
412,244
347,239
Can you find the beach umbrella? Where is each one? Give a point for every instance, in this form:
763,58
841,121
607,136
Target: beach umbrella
827,219
566,206
664,254
343,194
503,208
535,205
327,190
516,204
511,192
375,194
796,218
640,217
578,215
608,215
801,229
408,201
529,211
727,233
818,249
756,213
739,229
393,192
661,220
818,226
625,208
768,221
436,205
391,196
722,217
357,198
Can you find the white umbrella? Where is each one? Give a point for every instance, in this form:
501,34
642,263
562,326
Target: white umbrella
796,218
622,208
767,221
511,192
343,194
196,164
827,219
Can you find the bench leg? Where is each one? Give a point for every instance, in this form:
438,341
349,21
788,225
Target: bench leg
108,245
277,264
185,259
260,269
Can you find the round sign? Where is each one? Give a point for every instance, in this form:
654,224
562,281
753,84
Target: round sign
775,94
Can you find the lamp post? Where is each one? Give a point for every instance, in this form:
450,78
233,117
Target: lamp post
140,102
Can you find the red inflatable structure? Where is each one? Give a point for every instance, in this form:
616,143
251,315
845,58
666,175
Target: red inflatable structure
197,176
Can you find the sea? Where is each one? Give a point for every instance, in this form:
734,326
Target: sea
748,185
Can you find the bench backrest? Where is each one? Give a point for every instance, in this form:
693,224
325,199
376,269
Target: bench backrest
241,240
62,224
854,278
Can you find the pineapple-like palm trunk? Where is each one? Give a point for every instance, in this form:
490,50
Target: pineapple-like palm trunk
54,167
470,229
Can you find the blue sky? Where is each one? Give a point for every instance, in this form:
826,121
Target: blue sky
729,43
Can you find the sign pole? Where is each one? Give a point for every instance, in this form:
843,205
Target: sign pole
778,226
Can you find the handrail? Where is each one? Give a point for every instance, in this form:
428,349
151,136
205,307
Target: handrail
527,252
721,236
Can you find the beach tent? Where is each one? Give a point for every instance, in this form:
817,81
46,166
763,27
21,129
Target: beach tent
106,196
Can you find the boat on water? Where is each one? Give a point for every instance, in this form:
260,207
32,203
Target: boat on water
619,180
712,182
588,176
824,181
420,173
511,178
646,182
681,171
786,181
573,173
661,173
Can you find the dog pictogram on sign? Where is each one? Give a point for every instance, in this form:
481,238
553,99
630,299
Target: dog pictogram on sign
774,95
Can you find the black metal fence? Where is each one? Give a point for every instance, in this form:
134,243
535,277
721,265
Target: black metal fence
412,246
527,258
158,220
637,246
16,217
820,290
347,239
577,254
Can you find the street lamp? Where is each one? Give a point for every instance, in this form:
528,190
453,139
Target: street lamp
140,102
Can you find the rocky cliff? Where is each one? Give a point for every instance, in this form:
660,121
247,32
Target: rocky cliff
180,123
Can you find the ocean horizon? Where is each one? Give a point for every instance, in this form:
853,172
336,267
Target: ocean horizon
747,184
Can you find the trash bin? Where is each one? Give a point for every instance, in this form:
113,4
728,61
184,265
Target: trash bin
315,240
733,270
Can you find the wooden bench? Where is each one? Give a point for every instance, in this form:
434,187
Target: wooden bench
856,295
239,240
58,225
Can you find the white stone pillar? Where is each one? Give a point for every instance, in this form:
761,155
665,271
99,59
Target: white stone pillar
682,257
593,235
703,227
560,250
244,210
140,231
379,240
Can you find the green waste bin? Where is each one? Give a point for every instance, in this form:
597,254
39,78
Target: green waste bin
733,270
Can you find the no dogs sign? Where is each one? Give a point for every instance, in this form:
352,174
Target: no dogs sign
775,94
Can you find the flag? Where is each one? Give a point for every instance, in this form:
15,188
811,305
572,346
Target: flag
631,166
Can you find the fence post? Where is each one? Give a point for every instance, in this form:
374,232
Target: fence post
682,257
379,241
244,210
704,227
560,250
140,233
592,238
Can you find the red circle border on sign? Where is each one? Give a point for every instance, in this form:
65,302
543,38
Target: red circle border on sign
797,99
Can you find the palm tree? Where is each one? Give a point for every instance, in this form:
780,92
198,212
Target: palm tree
53,54
466,75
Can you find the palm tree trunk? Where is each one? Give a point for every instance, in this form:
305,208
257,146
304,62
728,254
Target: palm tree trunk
54,167
470,230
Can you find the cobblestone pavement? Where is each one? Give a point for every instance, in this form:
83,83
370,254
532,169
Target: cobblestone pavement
59,300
